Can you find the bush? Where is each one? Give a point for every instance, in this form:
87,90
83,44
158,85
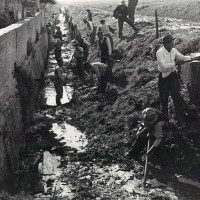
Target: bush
4,20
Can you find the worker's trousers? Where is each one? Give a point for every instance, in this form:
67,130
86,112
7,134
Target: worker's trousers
103,83
59,91
170,86
121,23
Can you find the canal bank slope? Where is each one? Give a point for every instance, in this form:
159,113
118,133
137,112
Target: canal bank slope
111,121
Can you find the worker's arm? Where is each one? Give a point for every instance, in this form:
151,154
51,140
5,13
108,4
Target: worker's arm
86,42
109,46
91,27
158,133
79,49
164,67
179,56
97,72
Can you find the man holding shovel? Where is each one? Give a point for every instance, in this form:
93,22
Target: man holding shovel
154,123
168,58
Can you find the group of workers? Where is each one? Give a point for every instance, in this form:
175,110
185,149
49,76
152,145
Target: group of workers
154,121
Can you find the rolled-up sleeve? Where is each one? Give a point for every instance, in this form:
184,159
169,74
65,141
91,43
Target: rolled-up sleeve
180,56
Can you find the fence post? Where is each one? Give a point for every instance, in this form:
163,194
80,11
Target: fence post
156,17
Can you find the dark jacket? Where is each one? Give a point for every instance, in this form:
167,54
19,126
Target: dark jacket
121,12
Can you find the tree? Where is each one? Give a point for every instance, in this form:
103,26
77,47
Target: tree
131,9
47,1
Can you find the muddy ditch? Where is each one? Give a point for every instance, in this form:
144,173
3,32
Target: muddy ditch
76,151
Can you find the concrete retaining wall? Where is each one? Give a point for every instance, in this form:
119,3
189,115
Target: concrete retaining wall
22,64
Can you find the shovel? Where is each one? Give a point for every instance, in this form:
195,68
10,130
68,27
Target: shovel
193,59
146,163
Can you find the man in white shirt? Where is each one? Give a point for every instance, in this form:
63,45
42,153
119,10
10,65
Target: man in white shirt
168,58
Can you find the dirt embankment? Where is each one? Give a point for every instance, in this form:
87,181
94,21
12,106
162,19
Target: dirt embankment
111,121
181,9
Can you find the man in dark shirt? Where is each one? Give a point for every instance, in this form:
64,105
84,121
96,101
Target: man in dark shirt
105,51
121,13
59,33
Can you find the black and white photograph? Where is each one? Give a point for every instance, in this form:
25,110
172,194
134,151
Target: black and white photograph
99,99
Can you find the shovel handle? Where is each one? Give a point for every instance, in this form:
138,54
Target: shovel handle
146,163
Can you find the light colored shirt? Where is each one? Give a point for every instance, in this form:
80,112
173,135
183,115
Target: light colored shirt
166,60
108,45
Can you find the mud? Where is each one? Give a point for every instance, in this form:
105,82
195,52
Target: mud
79,147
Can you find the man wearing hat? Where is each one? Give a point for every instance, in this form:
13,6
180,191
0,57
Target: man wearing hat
168,58
154,123
121,13
78,55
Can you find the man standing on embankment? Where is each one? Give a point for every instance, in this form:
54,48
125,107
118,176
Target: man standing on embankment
121,13
168,83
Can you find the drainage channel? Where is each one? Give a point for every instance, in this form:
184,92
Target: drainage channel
50,168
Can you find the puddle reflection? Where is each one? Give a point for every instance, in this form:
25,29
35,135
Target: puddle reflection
50,95
70,135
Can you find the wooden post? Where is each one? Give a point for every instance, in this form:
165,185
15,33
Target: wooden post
156,17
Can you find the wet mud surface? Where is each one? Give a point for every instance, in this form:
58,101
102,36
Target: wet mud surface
76,161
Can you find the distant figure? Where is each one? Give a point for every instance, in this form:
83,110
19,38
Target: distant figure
77,31
154,124
101,71
59,33
91,30
105,51
59,81
57,47
78,55
66,13
85,45
70,23
49,29
106,30
89,15
121,13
